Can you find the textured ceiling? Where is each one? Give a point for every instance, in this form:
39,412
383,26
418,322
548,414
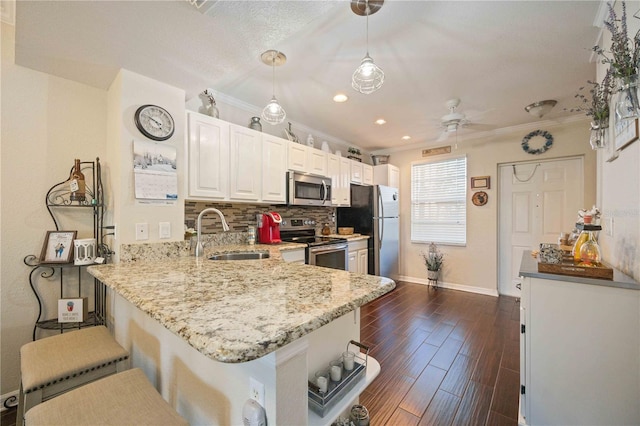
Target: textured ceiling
497,56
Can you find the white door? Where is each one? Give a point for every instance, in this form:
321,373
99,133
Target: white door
538,201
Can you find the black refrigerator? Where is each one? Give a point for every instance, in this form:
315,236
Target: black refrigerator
374,212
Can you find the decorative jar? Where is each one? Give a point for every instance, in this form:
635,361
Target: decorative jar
627,101
599,134
255,124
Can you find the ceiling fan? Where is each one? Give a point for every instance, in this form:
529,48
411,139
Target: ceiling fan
453,121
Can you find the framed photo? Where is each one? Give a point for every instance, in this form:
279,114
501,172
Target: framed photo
481,182
626,132
58,247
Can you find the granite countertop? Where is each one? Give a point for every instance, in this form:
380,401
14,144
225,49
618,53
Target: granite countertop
529,268
240,310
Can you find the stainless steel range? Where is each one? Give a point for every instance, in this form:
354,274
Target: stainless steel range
329,252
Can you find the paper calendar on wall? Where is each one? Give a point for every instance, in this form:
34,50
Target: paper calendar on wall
154,171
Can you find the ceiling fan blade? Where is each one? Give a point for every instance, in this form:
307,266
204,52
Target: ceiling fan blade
443,136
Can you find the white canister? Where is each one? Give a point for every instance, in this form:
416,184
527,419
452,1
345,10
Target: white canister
84,251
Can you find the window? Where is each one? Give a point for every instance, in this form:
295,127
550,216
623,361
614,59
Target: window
439,202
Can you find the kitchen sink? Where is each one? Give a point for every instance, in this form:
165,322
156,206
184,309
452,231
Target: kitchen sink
241,256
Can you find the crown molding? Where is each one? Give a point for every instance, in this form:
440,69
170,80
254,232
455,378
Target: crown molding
8,11
520,128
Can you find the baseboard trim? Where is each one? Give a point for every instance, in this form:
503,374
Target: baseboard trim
461,287
9,400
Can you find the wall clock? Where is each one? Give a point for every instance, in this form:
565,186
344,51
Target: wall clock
480,198
154,122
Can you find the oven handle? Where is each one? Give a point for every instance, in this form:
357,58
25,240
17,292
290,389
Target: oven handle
327,249
324,188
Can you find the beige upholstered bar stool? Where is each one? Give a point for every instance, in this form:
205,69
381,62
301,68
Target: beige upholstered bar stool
57,364
125,398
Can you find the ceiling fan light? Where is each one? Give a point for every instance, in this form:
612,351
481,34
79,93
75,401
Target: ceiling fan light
368,77
273,113
538,109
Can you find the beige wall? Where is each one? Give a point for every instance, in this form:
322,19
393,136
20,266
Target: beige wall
619,188
46,123
474,267
128,92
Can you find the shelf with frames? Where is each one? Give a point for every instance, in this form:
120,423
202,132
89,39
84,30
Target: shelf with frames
57,200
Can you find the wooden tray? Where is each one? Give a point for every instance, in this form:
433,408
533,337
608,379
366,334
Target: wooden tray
573,269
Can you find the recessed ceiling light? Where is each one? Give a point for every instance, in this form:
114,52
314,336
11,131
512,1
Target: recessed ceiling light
406,137
340,97
381,121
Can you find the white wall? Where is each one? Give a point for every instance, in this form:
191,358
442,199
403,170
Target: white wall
46,123
474,267
128,92
619,187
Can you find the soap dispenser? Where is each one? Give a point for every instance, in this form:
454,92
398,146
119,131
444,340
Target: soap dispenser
326,230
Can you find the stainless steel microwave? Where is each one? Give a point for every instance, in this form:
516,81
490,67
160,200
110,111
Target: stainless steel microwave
304,189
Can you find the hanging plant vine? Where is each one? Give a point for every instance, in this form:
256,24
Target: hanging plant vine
547,144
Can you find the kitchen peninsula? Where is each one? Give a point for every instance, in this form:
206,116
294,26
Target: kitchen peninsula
201,329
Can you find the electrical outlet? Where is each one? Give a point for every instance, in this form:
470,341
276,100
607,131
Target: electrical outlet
164,229
256,391
142,231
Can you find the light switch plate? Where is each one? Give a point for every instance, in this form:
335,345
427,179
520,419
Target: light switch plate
142,231
164,229
608,226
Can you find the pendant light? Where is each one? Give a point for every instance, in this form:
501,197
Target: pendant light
368,77
273,113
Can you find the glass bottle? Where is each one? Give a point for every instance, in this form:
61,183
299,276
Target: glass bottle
575,251
77,183
590,251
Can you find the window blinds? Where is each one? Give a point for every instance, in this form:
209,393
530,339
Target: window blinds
439,202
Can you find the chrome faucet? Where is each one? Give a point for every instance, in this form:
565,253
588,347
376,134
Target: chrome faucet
225,227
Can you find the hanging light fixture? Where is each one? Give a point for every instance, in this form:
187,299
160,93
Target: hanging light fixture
273,113
368,77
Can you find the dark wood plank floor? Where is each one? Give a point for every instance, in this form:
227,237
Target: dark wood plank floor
448,357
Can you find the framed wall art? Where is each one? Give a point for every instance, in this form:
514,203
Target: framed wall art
58,247
481,182
626,132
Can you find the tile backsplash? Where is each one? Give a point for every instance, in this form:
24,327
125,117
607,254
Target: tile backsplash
240,215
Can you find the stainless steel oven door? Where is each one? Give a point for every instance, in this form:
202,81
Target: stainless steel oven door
334,256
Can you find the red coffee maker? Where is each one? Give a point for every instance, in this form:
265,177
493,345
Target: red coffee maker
269,228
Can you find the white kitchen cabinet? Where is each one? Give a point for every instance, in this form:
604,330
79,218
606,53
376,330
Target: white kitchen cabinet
367,174
356,172
208,157
245,153
316,162
333,171
274,169
345,182
363,261
580,350
228,162
339,170
358,256
298,157
386,174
